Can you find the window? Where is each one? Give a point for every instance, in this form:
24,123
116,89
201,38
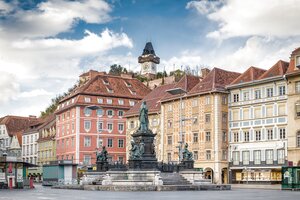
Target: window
280,156
224,100
169,157
87,125
224,118
281,90
257,157
257,94
246,96
282,133
207,118
236,157
120,113
73,127
298,109
246,157
195,137
109,101
99,142
121,143
195,155
236,98
207,136
257,135
169,123
236,137
109,126
154,122
269,156
121,102
224,136
297,87
195,102
208,155
224,154
99,112
109,142
87,159
298,139
87,141
270,134
131,103
298,61
87,99
110,113
269,92
207,100
246,136
182,105
100,100
170,140
72,141
131,124
121,127
87,111
100,126
170,107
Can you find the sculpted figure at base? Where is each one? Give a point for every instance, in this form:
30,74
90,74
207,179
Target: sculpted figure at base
102,156
144,121
137,150
186,154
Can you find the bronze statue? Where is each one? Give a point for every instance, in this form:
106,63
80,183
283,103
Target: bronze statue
102,156
144,121
186,154
137,150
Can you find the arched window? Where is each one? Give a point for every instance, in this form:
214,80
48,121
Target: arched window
87,111
298,139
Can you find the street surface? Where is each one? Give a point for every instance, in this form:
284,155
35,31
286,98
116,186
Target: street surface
46,193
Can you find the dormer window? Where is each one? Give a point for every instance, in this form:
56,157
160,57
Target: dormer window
132,91
298,62
105,81
110,90
127,84
87,99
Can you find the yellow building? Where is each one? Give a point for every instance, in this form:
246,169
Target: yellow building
154,109
293,84
203,113
46,141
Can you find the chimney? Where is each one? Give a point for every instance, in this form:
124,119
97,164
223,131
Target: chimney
204,72
129,75
32,116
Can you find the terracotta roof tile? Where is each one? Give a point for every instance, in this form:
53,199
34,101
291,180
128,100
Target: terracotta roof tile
279,69
216,80
251,74
152,100
17,124
292,65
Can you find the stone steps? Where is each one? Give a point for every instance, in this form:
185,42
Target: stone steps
173,179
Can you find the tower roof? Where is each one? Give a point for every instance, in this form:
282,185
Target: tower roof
148,49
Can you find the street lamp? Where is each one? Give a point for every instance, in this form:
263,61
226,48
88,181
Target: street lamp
179,91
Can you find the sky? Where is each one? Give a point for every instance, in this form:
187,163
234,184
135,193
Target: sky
45,45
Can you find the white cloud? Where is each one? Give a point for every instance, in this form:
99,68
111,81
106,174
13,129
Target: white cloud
252,17
5,8
53,17
204,6
34,93
9,88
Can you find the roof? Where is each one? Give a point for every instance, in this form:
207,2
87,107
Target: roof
251,74
17,124
216,80
279,69
152,100
148,49
187,82
292,69
112,86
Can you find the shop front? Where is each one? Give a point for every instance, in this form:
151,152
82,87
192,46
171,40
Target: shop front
291,178
250,175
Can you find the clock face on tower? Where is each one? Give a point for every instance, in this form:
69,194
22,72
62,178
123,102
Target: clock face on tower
146,67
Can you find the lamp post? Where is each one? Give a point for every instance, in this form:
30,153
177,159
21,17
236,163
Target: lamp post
179,91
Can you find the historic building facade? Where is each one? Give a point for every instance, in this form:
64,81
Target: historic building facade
293,84
202,110
92,115
258,121
154,110
46,141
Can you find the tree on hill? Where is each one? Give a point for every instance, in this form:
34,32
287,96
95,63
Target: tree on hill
117,70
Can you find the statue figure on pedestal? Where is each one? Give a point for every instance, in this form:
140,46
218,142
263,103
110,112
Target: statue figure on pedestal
134,151
102,156
186,154
144,121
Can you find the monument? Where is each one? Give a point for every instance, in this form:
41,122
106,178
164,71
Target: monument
102,164
187,158
142,153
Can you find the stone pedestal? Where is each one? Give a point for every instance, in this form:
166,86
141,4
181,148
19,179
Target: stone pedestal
102,166
148,159
187,164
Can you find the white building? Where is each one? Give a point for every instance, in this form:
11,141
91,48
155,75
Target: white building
257,125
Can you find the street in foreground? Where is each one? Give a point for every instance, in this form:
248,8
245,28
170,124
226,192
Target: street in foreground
46,193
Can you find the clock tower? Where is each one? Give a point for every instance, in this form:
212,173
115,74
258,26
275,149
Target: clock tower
148,61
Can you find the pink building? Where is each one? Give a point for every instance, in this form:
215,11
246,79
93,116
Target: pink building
91,116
